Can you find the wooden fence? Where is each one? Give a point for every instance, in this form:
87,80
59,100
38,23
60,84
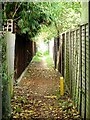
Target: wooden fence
25,49
73,64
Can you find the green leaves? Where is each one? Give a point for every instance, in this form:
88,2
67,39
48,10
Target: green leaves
63,16
31,14
50,17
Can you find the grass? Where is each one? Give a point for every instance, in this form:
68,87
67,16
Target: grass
39,55
49,61
37,59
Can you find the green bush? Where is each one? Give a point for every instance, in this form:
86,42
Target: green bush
46,53
39,54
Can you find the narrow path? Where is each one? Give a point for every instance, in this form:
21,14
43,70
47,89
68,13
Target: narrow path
36,96
40,80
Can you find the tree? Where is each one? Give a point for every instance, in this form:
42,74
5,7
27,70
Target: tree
64,16
29,16
55,17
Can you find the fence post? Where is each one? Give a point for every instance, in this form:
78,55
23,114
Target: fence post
10,38
65,59
89,61
77,69
61,53
89,75
63,40
75,65
81,70
70,61
85,76
55,52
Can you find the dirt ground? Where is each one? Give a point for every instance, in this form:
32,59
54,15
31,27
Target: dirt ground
37,96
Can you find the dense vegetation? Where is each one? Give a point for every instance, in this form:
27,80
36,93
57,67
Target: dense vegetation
64,16
51,18
29,17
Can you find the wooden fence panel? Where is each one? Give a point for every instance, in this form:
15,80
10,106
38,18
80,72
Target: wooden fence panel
24,51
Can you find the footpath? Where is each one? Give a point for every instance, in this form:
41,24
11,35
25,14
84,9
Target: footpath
37,96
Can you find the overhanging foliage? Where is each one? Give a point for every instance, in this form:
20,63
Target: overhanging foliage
36,17
29,16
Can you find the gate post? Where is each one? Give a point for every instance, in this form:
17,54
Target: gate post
10,38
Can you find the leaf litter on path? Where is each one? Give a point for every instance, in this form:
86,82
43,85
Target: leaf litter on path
36,96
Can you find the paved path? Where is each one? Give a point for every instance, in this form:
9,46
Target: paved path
37,96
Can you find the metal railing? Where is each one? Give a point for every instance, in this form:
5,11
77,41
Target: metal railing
74,66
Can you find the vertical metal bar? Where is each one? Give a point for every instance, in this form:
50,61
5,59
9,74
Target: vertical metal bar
70,62
63,40
89,61
55,53
85,76
61,55
71,35
75,65
0,62
81,69
65,58
78,69
64,51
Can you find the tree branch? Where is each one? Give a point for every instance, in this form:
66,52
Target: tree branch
17,18
16,10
